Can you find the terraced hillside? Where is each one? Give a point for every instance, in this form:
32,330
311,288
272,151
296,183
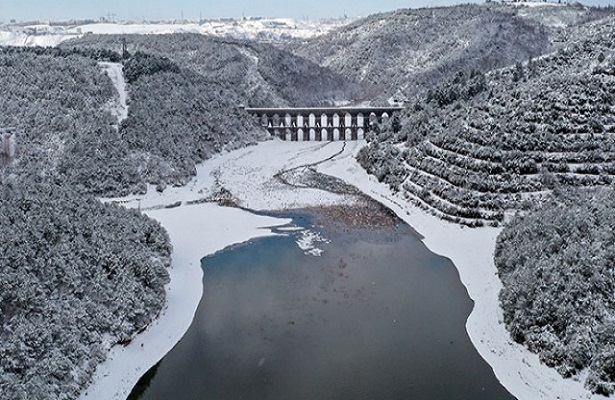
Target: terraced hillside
549,122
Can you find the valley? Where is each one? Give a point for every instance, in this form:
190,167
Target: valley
123,141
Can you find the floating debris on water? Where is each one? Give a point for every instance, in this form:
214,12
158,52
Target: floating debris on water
308,240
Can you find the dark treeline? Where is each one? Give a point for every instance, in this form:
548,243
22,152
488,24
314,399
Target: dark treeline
94,54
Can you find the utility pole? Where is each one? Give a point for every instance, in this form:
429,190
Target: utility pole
124,50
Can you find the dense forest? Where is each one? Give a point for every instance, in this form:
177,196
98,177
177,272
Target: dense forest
255,74
77,277
557,266
405,52
402,54
58,103
58,107
507,108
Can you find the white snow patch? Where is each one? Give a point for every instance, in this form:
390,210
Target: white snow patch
308,241
249,174
291,229
533,4
115,71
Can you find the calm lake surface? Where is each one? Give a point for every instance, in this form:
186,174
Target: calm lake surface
376,316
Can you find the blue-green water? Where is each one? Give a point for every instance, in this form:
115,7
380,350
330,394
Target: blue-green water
377,316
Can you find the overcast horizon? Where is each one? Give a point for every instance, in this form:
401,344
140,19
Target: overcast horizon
137,10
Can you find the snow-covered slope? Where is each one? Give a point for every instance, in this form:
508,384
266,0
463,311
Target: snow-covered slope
404,52
120,106
538,125
270,30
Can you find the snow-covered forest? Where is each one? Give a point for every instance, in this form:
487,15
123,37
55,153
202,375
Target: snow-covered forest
255,73
507,107
404,53
477,146
556,263
58,107
77,277
59,102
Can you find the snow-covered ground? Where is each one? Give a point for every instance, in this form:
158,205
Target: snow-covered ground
197,230
266,29
533,4
115,71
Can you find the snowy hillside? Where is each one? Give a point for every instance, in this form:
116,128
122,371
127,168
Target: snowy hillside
510,104
263,73
77,278
532,127
263,29
405,52
556,266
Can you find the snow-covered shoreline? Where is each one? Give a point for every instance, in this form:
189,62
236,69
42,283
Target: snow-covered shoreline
198,230
195,231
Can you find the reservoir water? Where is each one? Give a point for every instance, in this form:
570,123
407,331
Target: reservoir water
375,316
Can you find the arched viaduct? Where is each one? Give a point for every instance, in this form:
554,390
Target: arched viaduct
322,123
